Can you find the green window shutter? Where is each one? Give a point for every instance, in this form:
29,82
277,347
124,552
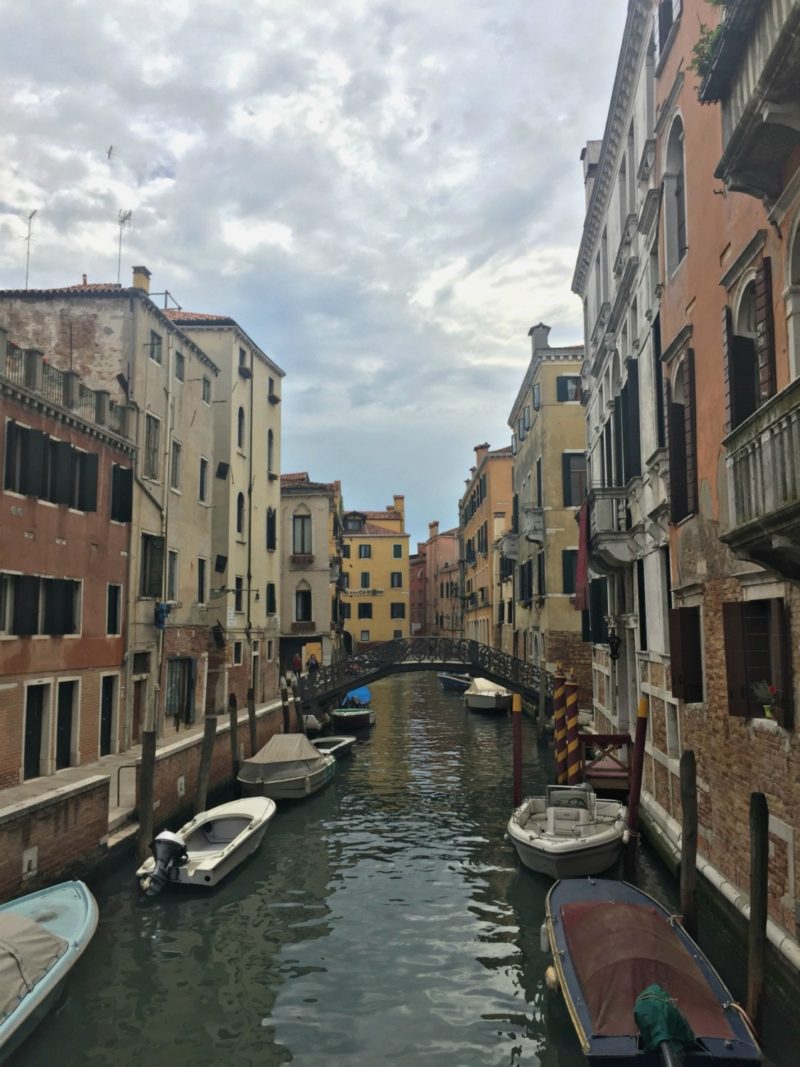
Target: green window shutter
34,463
26,605
87,487
61,469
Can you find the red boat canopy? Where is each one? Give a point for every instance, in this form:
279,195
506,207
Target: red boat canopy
619,949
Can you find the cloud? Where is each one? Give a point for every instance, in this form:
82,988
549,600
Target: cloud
385,196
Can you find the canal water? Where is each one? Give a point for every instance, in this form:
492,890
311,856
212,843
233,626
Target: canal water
384,920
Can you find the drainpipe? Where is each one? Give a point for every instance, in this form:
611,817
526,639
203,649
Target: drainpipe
165,481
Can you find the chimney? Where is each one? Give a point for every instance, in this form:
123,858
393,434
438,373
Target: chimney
538,335
480,452
84,280
590,157
433,529
141,279
399,503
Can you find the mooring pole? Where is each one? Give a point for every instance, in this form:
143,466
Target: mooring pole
298,710
251,720
541,718
233,717
204,770
689,842
560,726
637,769
759,899
287,729
573,744
516,740
146,779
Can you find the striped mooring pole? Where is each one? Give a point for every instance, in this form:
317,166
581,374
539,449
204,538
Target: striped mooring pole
573,748
560,726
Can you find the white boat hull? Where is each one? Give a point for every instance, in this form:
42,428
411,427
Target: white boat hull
499,701
336,745
294,788
578,862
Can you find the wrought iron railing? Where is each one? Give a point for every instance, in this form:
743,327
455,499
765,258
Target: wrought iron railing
52,384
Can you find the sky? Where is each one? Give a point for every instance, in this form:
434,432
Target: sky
385,195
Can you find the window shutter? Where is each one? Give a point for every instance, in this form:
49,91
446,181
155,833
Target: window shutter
727,365
562,390
87,487
565,478
735,663
61,459
765,331
619,476
33,463
155,569
26,605
59,598
632,428
12,444
690,432
125,482
780,650
624,424
677,468
685,651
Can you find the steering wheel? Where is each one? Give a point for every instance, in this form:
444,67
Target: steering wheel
573,802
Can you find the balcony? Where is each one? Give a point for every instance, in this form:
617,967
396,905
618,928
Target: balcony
301,559
304,627
754,71
509,546
764,484
531,524
613,543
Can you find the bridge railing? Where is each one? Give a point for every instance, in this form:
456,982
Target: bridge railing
429,652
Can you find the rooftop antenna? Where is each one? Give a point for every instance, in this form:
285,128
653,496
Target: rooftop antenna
124,219
28,242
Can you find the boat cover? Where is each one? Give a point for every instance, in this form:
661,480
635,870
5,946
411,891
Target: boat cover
360,696
483,685
619,949
27,952
283,756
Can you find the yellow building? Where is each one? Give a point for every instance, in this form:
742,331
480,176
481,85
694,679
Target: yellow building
484,511
375,598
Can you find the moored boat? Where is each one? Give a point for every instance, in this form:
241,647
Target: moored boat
483,695
637,987
208,847
337,744
354,712
288,767
42,937
569,832
453,683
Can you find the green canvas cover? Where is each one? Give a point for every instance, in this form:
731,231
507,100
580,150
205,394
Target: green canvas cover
659,1019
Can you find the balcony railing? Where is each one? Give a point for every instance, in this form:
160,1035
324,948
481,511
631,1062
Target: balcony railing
304,627
613,541
764,484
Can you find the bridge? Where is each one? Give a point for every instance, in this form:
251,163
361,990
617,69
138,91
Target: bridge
326,687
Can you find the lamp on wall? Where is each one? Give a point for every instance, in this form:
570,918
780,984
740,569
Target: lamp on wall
613,644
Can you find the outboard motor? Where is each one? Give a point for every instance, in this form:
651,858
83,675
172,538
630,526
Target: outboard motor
169,851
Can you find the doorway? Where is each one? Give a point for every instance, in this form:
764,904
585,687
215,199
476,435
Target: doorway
35,697
108,693
64,723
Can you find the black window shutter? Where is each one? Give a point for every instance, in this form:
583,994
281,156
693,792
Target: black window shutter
569,562
61,459
87,486
59,617
690,433
624,423
735,659
780,640
731,419
155,567
632,434
13,433
641,606
26,605
686,660
33,463
125,493
677,459
619,476
765,331
562,389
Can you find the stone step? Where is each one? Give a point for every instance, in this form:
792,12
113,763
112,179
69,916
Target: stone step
118,817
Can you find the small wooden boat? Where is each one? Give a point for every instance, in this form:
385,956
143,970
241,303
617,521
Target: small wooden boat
42,937
454,683
483,695
337,745
208,847
569,832
637,987
288,767
314,723
355,712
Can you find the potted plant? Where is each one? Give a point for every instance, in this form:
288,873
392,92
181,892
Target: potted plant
768,695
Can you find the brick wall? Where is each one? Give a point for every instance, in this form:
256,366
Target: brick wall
567,648
65,833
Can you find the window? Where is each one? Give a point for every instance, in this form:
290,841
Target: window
568,388
37,465
152,434
396,580
365,611
365,551
345,551
302,605
365,580
345,610
681,441
526,417
574,478
121,493
537,396
155,347
240,428
397,611
201,580
172,575
238,594
675,198
364,635
272,530
270,650
270,451
31,605
757,650
237,653
301,535
344,579
151,566
749,350
202,481
569,568
206,390
240,513
113,609
398,633
397,551
175,466
271,599
180,367
242,357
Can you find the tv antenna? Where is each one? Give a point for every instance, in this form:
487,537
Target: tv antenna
124,219
28,242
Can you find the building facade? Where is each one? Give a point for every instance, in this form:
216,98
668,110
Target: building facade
375,597
418,585
442,592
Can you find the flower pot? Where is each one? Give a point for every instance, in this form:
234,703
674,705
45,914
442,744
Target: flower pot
768,711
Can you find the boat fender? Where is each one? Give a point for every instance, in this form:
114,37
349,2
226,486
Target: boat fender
551,979
626,836
544,940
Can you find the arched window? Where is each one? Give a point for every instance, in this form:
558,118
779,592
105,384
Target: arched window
240,429
675,198
302,603
270,451
240,513
682,441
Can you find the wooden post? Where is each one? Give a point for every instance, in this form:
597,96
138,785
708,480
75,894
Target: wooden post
759,899
516,738
541,718
233,716
637,769
146,777
573,745
287,728
689,842
251,720
204,770
298,708
560,724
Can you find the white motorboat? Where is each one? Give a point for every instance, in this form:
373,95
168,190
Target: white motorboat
208,847
314,723
288,767
569,832
42,936
483,695
337,744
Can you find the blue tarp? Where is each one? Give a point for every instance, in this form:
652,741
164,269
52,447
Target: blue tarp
360,696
